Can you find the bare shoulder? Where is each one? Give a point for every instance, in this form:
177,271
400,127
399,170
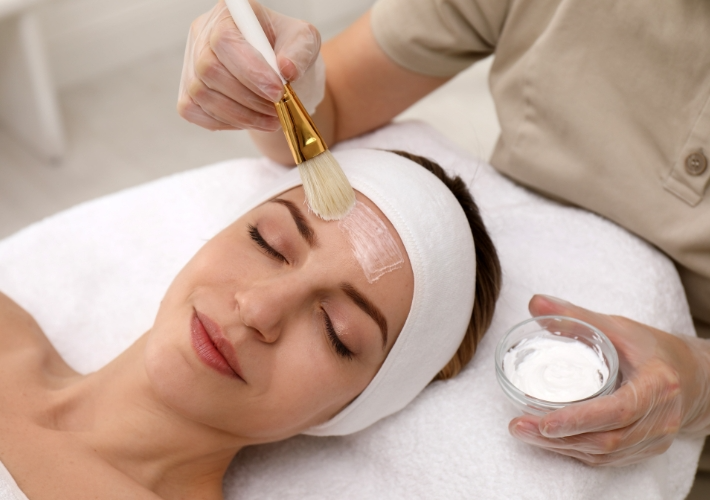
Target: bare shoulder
18,328
51,465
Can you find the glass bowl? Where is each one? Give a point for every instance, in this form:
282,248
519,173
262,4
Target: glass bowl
554,326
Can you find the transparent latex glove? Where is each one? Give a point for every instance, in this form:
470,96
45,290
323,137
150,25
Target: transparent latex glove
665,390
227,85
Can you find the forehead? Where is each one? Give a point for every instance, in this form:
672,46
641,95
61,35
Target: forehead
391,291
297,196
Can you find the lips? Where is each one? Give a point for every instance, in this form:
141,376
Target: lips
212,347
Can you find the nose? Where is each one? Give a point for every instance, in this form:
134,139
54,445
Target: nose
265,306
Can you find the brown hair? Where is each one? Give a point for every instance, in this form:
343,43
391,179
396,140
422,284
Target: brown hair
488,273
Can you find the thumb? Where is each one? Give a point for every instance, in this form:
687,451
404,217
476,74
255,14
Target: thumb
633,344
547,305
297,45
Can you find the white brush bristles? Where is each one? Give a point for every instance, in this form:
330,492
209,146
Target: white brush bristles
328,191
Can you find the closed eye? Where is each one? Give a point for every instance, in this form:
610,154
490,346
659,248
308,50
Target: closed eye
338,345
268,249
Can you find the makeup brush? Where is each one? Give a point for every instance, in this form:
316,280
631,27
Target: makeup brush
328,192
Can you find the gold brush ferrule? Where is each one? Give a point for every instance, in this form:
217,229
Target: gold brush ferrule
301,133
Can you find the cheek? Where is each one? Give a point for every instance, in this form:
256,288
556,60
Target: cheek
313,385
174,372
306,386
228,254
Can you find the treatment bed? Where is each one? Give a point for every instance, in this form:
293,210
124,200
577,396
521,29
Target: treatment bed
93,276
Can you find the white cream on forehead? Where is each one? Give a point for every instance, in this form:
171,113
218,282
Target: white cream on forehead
373,246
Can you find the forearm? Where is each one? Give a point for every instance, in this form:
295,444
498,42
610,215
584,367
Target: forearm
273,145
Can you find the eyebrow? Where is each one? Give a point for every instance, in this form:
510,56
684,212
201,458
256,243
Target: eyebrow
370,309
302,225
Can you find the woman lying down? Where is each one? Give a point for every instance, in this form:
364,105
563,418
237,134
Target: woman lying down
282,324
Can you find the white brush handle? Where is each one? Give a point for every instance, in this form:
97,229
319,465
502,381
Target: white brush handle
247,22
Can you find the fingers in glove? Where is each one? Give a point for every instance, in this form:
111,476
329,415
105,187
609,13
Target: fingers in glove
655,388
297,50
296,43
196,42
227,111
620,458
215,76
244,61
642,433
192,112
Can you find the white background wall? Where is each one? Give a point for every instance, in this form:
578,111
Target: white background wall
86,38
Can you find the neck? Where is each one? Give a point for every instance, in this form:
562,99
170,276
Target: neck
115,413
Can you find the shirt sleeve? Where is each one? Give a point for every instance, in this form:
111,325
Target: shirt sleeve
438,37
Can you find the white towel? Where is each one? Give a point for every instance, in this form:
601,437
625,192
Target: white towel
8,487
93,276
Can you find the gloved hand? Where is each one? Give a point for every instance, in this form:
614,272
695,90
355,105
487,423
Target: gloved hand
665,390
227,85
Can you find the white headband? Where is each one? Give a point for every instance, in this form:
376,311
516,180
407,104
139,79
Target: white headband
439,243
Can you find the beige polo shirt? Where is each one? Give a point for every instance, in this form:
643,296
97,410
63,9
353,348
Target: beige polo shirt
604,104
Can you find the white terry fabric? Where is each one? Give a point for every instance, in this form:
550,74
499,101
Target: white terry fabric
437,237
8,487
93,276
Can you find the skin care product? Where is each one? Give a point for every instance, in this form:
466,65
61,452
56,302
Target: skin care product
555,368
548,362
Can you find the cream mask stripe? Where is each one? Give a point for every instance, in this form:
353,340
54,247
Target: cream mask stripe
373,246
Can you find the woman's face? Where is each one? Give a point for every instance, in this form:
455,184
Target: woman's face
273,327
